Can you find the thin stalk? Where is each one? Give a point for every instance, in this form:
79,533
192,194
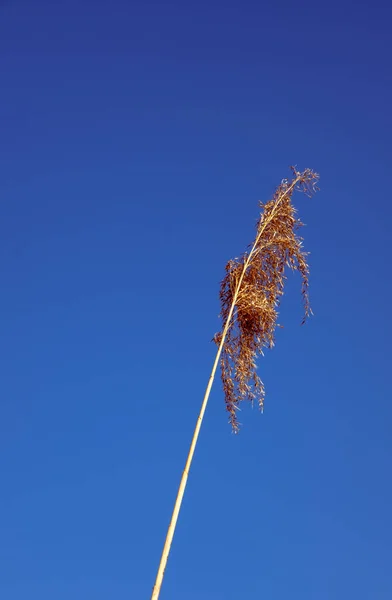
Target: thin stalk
184,479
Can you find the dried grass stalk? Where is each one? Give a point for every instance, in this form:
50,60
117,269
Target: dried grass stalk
250,294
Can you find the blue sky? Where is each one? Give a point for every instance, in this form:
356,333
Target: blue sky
136,140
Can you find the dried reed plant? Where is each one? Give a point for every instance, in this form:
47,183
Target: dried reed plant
250,293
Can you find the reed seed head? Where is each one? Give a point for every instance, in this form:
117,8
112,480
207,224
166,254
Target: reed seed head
252,288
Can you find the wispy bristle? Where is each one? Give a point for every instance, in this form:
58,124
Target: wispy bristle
252,288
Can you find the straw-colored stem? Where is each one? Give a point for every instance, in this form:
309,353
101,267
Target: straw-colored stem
184,478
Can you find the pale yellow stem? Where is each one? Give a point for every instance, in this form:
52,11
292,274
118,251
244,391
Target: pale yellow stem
184,478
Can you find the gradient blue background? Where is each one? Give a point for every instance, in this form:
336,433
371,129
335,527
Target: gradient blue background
136,139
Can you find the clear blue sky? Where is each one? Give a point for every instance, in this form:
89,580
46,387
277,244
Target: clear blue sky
136,140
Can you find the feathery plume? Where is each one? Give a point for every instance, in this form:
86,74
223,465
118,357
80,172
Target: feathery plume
252,288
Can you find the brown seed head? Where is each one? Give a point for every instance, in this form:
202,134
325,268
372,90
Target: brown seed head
251,290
